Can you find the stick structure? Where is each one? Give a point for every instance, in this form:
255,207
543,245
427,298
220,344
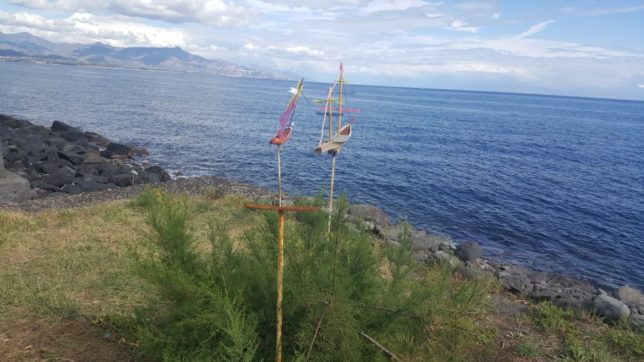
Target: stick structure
281,210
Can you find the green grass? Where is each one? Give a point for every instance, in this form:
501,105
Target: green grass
595,342
169,270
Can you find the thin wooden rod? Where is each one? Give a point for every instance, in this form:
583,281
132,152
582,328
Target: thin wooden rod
384,350
315,335
279,176
280,265
280,280
331,192
281,208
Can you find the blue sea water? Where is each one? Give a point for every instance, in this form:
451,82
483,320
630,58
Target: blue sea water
556,183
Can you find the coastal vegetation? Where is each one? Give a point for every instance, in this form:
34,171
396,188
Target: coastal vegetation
175,277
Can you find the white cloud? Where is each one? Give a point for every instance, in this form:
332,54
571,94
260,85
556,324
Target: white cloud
218,13
435,15
621,10
250,46
87,28
383,41
462,26
392,5
536,28
476,6
304,50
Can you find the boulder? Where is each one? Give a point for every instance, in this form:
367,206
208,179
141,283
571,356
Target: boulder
73,135
562,291
72,157
517,283
610,308
13,188
140,152
62,176
124,180
420,240
97,139
87,170
631,297
107,169
49,167
92,156
59,126
637,322
12,122
117,150
469,251
160,172
150,177
392,233
93,185
366,212
444,257
71,189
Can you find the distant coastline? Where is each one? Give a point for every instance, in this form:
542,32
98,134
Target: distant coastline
28,48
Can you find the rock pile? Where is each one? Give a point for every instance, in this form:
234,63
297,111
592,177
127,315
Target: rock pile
426,247
65,159
626,303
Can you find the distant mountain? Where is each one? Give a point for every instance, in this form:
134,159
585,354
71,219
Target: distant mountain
26,47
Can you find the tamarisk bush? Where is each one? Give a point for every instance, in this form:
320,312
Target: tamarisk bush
345,297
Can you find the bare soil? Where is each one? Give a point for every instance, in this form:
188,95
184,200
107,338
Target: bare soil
60,340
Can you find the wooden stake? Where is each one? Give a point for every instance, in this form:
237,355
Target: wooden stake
280,284
281,210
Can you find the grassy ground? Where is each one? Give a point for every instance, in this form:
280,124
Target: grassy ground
67,275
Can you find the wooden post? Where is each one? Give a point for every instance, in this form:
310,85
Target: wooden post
281,210
280,284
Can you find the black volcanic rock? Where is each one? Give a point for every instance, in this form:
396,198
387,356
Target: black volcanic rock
58,126
62,158
469,251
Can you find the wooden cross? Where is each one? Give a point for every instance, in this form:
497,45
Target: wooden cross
281,210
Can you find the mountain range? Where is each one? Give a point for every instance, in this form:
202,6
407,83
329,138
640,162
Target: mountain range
30,48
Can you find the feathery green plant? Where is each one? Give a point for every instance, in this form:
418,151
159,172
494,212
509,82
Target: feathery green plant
340,289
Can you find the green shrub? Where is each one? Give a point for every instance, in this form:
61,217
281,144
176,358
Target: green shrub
149,197
339,289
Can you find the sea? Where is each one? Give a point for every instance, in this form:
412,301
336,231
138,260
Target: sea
554,183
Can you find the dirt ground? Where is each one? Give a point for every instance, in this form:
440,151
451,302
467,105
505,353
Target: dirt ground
60,340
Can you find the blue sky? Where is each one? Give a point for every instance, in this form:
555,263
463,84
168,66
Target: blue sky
576,47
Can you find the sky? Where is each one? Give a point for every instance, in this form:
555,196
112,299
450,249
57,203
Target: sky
574,47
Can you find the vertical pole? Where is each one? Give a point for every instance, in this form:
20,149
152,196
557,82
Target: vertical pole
331,191
330,110
337,131
280,276
279,176
1,157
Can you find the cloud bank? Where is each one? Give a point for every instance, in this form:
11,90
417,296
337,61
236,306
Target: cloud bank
471,44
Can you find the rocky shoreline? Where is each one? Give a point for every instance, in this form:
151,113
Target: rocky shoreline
63,166
66,159
624,303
